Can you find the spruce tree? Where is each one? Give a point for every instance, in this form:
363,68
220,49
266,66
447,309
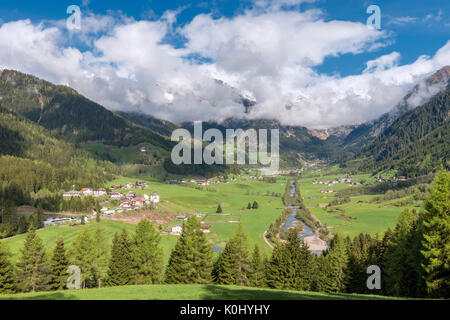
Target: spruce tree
255,205
120,270
359,258
382,257
88,251
100,254
191,261
436,237
279,268
234,267
256,272
402,270
33,272
37,218
299,256
147,254
323,275
338,258
58,266
249,206
219,209
22,225
216,268
97,211
7,279
9,222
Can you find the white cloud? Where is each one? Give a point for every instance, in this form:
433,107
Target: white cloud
437,17
382,63
401,20
266,54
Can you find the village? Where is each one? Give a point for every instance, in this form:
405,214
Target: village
331,183
129,201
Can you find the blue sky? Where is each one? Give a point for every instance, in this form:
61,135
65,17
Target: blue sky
165,57
411,39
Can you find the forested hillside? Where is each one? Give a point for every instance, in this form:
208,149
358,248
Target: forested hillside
69,114
295,141
416,143
33,160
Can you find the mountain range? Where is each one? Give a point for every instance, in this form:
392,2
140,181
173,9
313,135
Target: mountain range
412,136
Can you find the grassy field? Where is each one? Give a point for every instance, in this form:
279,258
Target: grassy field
361,215
49,236
233,197
187,292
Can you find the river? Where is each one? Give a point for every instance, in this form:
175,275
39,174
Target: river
292,221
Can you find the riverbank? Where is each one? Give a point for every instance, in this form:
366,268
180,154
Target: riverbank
308,235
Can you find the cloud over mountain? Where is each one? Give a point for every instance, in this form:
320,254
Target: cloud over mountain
266,53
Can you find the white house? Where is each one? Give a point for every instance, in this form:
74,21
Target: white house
138,201
87,192
177,229
131,195
154,197
115,195
100,193
126,204
130,185
70,194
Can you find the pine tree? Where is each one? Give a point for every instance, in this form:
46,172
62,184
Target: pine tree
147,255
216,268
58,266
322,277
37,218
33,273
436,237
256,272
279,268
100,254
120,270
8,216
22,225
88,252
382,257
7,279
219,209
234,267
97,211
300,259
402,271
191,261
359,258
338,258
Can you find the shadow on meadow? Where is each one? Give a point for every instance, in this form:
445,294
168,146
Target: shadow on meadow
58,295
214,292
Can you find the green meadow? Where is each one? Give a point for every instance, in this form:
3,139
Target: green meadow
361,215
188,292
233,198
49,236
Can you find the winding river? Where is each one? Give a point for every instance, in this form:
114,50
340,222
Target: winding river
292,222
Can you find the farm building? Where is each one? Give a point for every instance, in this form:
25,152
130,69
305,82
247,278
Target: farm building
177,229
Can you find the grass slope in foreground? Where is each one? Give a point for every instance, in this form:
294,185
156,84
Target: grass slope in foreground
187,292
